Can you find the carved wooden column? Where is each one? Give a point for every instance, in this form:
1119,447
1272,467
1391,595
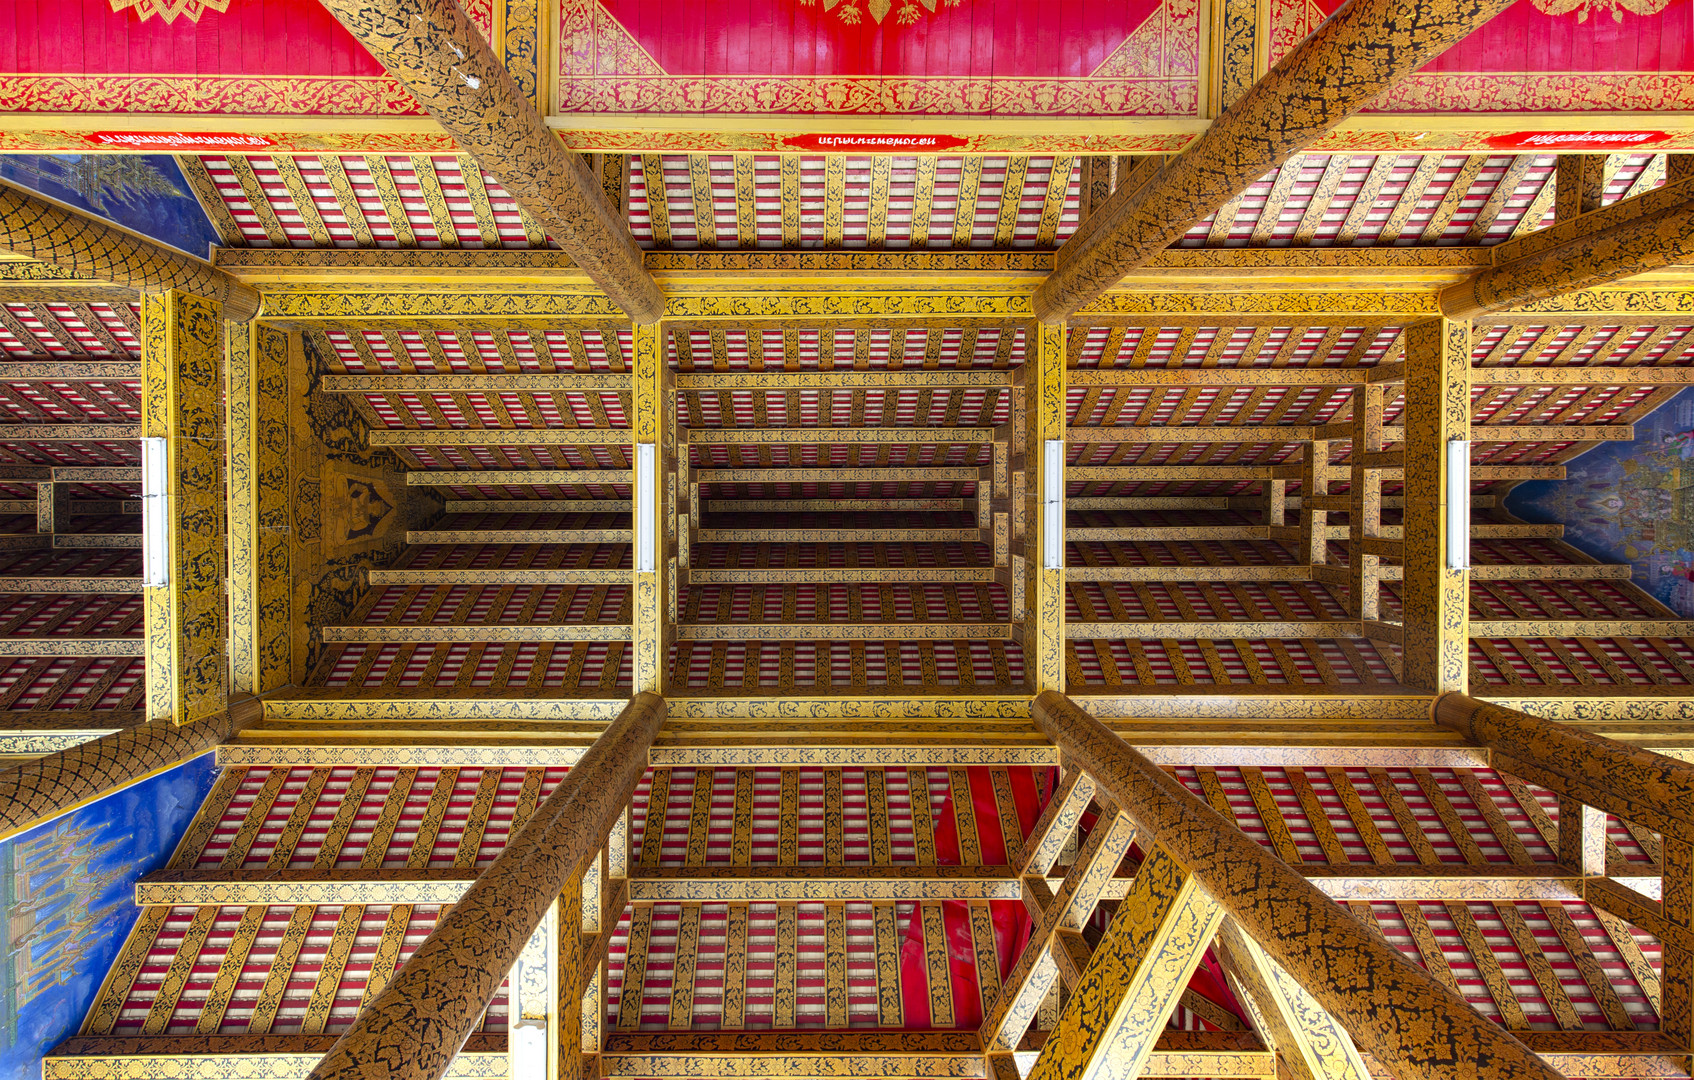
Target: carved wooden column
415,1027
1436,626
40,790
654,423
256,399
1363,50
435,50
1392,1008
1041,383
90,248
182,401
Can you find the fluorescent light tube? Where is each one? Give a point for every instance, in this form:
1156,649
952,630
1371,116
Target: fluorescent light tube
528,1049
646,514
1458,504
1053,505
155,514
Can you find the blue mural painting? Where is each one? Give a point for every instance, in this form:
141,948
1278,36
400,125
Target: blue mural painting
68,891
142,192
1630,502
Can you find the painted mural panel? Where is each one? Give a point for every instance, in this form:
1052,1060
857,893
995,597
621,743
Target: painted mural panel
144,193
1631,502
68,888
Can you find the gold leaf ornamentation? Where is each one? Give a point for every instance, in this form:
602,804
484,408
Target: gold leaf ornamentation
906,12
168,10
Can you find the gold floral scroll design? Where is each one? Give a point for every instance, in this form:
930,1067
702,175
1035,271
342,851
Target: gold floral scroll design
168,10
906,12
1584,8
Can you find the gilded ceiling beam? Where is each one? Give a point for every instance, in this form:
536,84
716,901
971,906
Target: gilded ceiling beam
1180,631
46,787
518,536
539,506
88,247
538,436
439,55
498,577
1634,783
1629,237
68,432
415,1027
896,435
1582,375
1349,60
72,370
70,585
481,382
515,477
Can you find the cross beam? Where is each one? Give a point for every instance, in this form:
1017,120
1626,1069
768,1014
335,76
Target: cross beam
88,247
1629,237
1391,1007
1361,51
434,49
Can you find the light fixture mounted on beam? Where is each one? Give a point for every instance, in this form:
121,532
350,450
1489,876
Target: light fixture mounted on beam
155,514
1053,505
646,515
1458,504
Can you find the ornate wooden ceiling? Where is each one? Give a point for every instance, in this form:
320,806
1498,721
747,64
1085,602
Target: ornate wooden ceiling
849,776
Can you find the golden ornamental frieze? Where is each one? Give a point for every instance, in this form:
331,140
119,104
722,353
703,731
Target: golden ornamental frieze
280,889
1327,302
40,745
1571,707
859,756
777,305
430,303
880,262
30,270
614,1063
852,708
1311,703
168,10
353,709
1545,92
399,757
115,1065
1613,302
363,96
912,96
704,890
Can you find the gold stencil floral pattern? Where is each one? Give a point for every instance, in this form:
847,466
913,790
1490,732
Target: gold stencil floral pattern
168,10
905,12
1584,8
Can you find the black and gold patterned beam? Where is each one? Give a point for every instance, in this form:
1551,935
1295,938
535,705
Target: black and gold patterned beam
435,50
90,248
1351,59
